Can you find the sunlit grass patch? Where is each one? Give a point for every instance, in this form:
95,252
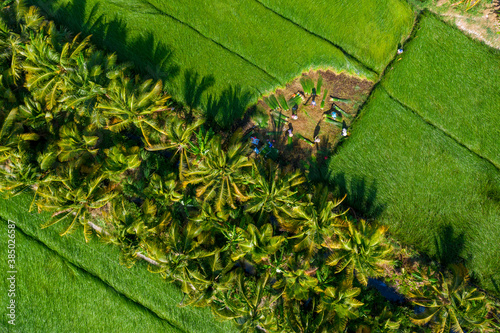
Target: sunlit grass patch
453,82
431,191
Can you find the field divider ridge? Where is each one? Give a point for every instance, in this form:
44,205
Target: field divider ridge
32,237
102,255
113,262
348,55
439,128
158,11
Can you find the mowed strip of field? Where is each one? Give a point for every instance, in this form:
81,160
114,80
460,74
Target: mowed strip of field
369,30
452,82
53,295
432,192
101,261
280,47
237,42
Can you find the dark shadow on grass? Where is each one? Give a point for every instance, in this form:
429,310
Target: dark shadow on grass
317,128
495,285
226,111
151,57
194,87
361,194
449,245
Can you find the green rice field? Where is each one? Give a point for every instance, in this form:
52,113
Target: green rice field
432,192
53,295
368,30
452,82
423,157
243,43
132,289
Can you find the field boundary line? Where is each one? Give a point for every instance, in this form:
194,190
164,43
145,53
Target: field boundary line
33,238
449,135
114,262
163,13
348,55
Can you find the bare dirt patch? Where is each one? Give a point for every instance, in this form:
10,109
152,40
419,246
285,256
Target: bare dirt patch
481,22
311,121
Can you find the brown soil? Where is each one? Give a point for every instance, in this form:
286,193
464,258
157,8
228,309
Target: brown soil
482,22
310,122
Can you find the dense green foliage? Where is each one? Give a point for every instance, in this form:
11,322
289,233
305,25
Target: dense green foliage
100,260
53,296
451,304
242,44
103,150
453,83
429,190
370,31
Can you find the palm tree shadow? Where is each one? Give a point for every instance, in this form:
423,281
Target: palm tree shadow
449,245
226,110
361,195
495,285
152,57
194,87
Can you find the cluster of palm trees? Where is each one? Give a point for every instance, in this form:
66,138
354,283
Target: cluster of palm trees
103,150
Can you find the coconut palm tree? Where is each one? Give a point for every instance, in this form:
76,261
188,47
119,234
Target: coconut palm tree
451,304
73,197
340,303
82,94
201,146
20,169
211,278
74,145
177,252
274,192
164,190
221,176
120,159
12,55
86,87
250,304
131,228
305,317
129,103
258,244
298,279
37,116
361,249
319,223
179,135
49,71
16,25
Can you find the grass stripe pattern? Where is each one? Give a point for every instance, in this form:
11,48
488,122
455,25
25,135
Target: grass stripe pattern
242,43
53,295
368,30
432,192
452,82
101,260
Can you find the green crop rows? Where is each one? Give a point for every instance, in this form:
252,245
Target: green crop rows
98,262
368,30
243,43
431,191
453,83
52,295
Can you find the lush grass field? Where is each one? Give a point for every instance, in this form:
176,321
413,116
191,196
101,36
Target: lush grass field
53,295
453,82
101,260
236,42
369,30
432,192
